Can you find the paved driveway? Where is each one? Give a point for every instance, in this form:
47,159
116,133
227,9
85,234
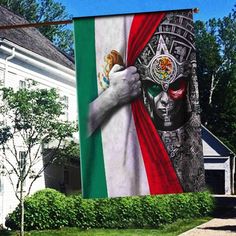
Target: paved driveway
220,226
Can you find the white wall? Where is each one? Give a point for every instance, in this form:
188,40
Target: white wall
11,73
208,150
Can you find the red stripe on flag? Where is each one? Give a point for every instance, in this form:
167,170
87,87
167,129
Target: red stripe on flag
160,171
142,28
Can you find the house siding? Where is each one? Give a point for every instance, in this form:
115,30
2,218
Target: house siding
11,73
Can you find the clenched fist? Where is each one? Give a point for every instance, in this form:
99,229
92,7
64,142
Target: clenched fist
124,84
124,87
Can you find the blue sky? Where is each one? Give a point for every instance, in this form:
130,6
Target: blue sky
208,8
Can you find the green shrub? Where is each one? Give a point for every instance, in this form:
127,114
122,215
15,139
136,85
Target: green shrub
183,206
49,209
84,215
119,212
191,205
157,210
45,209
105,213
129,212
206,203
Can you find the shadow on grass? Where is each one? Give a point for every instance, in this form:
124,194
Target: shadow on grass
5,232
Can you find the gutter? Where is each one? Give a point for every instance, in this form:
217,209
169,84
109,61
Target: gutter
36,56
56,71
13,54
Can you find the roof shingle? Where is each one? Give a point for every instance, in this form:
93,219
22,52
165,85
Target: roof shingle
30,38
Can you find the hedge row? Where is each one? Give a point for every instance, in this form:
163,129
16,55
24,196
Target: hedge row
49,209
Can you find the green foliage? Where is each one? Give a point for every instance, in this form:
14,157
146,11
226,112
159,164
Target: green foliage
173,229
43,210
45,11
129,212
119,213
34,119
36,112
68,154
157,210
48,209
191,204
83,215
216,56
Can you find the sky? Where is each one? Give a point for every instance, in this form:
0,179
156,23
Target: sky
208,8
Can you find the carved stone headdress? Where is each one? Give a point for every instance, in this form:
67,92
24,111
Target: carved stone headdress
170,52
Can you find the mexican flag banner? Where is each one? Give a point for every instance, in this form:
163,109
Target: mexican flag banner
138,105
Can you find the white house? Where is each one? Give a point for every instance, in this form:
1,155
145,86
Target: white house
219,164
25,54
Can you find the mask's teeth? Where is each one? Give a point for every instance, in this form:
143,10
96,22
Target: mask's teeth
167,121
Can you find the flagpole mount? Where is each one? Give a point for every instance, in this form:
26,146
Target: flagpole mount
196,10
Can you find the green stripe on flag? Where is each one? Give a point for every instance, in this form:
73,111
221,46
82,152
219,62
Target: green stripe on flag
92,163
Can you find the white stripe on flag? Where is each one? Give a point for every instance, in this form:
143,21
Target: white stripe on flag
124,167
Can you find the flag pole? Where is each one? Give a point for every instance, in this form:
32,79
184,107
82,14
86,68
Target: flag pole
62,22
38,24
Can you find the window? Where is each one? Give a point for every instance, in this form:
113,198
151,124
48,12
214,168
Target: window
22,157
66,177
22,163
65,101
22,84
1,77
1,177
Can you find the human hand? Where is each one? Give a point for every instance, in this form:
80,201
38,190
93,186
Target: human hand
124,87
124,84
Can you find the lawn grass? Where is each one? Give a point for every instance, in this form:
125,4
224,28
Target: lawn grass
173,229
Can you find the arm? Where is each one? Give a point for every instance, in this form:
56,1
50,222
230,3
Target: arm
124,87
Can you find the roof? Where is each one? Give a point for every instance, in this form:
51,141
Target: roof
31,38
215,143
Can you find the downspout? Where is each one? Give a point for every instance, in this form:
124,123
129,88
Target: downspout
3,161
13,53
232,156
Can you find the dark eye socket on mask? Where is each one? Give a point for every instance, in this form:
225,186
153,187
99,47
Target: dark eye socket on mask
152,88
177,84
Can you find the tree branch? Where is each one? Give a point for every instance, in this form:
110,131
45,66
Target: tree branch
11,181
44,166
12,166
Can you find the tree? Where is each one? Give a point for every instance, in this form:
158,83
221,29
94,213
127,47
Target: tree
41,11
216,54
31,120
68,154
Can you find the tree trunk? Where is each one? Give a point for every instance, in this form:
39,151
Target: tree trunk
213,85
22,209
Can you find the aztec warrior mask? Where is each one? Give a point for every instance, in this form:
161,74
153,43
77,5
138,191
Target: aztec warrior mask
149,143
